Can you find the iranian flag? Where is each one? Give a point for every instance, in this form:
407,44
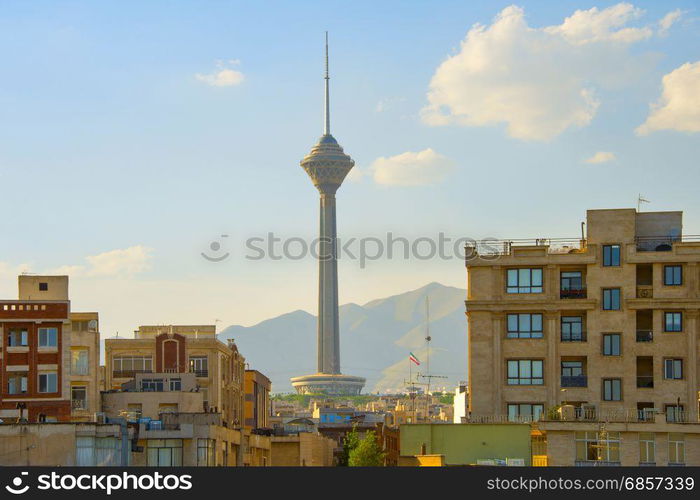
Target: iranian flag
413,358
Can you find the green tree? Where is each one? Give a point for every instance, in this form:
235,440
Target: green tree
367,453
350,442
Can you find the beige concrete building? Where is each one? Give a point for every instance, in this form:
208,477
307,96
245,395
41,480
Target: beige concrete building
219,368
596,338
304,449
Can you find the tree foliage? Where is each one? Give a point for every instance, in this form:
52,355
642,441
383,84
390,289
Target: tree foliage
367,452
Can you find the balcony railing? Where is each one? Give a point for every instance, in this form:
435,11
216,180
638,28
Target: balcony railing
200,373
645,381
578,293
645,336
128,373
574,337
574,381
595,463
677,416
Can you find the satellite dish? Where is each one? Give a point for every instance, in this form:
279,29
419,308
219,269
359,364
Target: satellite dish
92,325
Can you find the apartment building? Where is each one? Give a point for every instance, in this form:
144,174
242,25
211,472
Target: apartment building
50,355
595,338
257,400
218,367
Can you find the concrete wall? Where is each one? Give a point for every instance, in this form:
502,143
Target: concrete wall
463,444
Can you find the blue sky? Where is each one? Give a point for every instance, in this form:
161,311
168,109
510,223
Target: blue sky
109,141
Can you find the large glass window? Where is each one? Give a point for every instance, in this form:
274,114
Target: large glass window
518,412
524,326
78,396
647,448
527,280
199,365
673,322
673,275
611,344
97,451
126,365
674,413
673,369
165,452
152,385
16,382
17,337
571,285
525,372
597,446
48,382
611,255
611,299
676,448
572,329
612,389
48,337
79,361
206,452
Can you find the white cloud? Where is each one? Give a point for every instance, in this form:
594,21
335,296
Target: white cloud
601,157
222,77
411,168
668,20
678,108
119,262
388,104
538,81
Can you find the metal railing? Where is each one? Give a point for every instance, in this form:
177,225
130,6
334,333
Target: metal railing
571,293
645,336
662,243
200,373
492,246
574,337
645,381
128,373
574,381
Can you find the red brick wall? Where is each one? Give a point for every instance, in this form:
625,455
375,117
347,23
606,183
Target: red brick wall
170,353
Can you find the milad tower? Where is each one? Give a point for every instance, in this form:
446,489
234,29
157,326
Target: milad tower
327,165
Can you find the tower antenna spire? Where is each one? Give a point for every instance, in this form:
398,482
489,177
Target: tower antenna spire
327,113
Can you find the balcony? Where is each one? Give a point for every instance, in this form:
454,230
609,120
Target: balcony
574,381
577,293
645,336
645,381
574,337
200,373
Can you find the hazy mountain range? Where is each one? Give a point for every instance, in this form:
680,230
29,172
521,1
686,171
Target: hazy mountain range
375,340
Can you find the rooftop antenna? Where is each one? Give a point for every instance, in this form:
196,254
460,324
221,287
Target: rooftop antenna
327,111
640,200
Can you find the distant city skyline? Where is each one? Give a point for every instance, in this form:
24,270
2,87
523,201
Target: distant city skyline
137,136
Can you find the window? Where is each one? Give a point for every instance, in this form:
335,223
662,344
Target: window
525,372
165,452
79,361
647,448
676,448
126,365
175,384
594,446
611,255
571,285
611,299
43,287
528,280
48,382
199,365
16,383
674,413
572,329
17,337
572,374
48,337
518,412
524,326
205,452
78,396
152,385
611,344
673,322
97,451
673,275
673,369
612,389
